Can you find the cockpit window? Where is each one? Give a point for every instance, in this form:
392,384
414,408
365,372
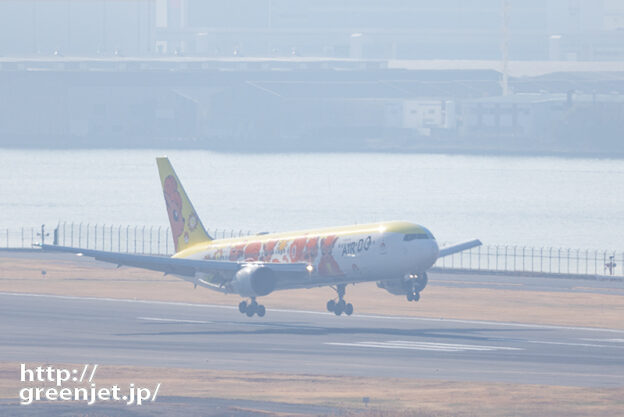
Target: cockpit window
412,236
425,234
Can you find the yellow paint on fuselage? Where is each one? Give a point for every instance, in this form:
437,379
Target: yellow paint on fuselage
382,227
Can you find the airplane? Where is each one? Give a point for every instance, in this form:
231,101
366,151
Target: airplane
395,254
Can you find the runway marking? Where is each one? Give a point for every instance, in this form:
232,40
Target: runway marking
541,342
605,340
437,347
318,313
166,320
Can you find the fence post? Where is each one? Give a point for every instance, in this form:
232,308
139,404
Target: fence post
506,248
71,231
496,258
159,227
150,235
167,240
127,238
595,262
88,235
523,252
143,240
568,254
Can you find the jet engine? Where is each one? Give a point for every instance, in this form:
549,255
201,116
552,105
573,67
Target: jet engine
254,281
409,284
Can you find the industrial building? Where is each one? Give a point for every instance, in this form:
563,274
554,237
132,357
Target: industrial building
569,30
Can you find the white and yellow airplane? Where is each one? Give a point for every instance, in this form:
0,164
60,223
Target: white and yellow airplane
395,254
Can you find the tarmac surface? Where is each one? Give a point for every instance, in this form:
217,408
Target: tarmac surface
63,329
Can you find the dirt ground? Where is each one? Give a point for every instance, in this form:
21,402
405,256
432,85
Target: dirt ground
388,396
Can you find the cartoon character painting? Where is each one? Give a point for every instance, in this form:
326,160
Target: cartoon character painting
310,251
267,250
327,264
173,201
296,249
237,252
252,251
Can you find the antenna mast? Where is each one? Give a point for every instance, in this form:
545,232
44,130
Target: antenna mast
505,46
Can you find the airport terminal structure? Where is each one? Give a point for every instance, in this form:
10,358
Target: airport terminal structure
529,77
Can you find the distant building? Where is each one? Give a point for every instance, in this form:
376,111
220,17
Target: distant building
376,29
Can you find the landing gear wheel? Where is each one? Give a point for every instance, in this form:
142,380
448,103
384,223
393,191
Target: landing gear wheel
340,307
260,311
348,309
416,296
410,296
242,307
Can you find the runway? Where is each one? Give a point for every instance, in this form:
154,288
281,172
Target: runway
59,329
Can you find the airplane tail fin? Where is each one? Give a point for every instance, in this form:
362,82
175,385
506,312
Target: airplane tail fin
186,228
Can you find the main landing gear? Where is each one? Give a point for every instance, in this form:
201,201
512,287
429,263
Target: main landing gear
252,308
340,306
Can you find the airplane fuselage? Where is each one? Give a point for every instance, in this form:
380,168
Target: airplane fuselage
360,252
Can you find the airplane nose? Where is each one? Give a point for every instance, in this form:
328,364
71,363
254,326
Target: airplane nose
434,251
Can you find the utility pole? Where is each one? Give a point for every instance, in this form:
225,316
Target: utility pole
505,46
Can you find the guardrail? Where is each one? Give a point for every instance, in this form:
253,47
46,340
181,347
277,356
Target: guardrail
156,240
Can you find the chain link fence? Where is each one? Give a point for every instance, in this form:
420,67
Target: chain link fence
156,240
545,260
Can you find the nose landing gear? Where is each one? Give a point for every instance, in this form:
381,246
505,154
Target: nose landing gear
415,286
340,306
252,308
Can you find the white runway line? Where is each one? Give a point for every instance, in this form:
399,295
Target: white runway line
437,347
543,342
166,320
605,340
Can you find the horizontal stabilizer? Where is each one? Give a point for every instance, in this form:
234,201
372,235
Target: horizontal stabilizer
459,247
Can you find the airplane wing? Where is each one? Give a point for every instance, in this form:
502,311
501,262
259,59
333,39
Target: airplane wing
177,266
458,247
